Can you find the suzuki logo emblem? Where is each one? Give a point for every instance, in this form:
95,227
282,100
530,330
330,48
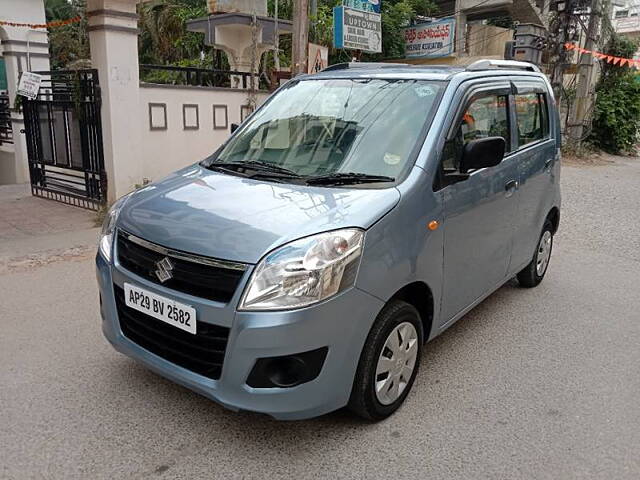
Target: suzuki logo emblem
163,269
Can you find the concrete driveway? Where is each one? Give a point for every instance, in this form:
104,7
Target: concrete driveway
541,383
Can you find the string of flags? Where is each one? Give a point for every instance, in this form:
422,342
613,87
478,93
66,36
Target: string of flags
622,62
54,24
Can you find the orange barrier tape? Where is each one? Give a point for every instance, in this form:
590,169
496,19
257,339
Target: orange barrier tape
603,56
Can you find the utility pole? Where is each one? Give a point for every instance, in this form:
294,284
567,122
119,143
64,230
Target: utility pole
562,34
313,11
584,95
300,38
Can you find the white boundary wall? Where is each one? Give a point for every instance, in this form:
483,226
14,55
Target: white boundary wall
144,130
22,49
185,138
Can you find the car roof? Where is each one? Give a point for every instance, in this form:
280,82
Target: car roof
423,72
388,70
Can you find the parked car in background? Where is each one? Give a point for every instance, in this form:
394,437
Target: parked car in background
356,215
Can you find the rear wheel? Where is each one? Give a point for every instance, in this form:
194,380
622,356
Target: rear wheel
532,274
388,363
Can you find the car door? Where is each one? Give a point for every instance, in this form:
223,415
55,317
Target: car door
535,152
480,206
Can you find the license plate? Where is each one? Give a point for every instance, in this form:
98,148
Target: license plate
169,311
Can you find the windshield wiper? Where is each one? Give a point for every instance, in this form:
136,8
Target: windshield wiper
344,178
224,168
257,166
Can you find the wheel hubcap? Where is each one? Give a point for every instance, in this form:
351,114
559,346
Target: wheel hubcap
544,253
396,363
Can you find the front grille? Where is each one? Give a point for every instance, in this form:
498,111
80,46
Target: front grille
202,277
202,353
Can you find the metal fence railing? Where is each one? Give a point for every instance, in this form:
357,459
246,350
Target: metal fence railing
200,77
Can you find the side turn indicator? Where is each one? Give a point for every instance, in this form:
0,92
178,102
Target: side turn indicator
433,225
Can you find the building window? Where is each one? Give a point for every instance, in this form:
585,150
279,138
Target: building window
157,116
190,117
220,117
622,13
245,111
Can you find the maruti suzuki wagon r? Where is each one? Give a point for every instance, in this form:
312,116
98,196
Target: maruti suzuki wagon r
354,216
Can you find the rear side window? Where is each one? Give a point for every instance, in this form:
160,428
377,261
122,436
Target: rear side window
485,116
532,118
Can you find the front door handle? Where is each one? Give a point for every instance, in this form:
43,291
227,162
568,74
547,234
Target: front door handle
511,185
547,162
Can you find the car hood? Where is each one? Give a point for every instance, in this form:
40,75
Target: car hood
234,218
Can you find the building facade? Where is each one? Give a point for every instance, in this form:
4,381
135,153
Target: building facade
626,21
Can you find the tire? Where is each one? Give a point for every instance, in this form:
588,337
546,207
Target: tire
401,319
532,275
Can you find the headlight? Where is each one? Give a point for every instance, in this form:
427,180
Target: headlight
109,226
305,271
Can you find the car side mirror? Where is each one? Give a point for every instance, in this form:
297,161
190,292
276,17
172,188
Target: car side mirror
234,127
482,153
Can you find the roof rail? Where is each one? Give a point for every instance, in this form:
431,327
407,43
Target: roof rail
346,66
506,64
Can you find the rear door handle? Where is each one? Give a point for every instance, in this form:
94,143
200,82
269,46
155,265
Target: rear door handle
547,162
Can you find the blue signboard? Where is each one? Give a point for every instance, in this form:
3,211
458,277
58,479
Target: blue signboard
357,29
366,5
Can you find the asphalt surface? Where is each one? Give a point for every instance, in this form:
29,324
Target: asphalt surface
534,384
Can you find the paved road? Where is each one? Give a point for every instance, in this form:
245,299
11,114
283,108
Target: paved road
541,383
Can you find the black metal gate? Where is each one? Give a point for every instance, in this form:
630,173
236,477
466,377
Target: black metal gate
64,139
6,133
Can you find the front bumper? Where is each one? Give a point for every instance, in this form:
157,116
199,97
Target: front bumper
341,324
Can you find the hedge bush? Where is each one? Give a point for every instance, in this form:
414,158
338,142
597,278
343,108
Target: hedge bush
616,118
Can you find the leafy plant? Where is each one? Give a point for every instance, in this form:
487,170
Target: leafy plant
396,15
164,38
616,120
68,43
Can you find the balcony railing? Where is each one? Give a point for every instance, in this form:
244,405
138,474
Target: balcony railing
199,77
6,132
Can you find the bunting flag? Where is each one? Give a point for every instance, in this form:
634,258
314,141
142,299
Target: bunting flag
620,61
54,24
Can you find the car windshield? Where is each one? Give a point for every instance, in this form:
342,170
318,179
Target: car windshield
337,126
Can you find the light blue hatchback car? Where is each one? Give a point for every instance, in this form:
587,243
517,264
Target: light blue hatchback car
356,215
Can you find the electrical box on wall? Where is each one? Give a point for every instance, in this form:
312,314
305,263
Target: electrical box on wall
528,43
258,7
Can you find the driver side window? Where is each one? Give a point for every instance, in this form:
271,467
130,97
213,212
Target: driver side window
486,115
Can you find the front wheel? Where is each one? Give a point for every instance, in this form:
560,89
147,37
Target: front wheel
388,363
532,274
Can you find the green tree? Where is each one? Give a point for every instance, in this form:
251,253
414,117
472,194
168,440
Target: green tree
68,44
396,15
58,10
616,117
164,38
